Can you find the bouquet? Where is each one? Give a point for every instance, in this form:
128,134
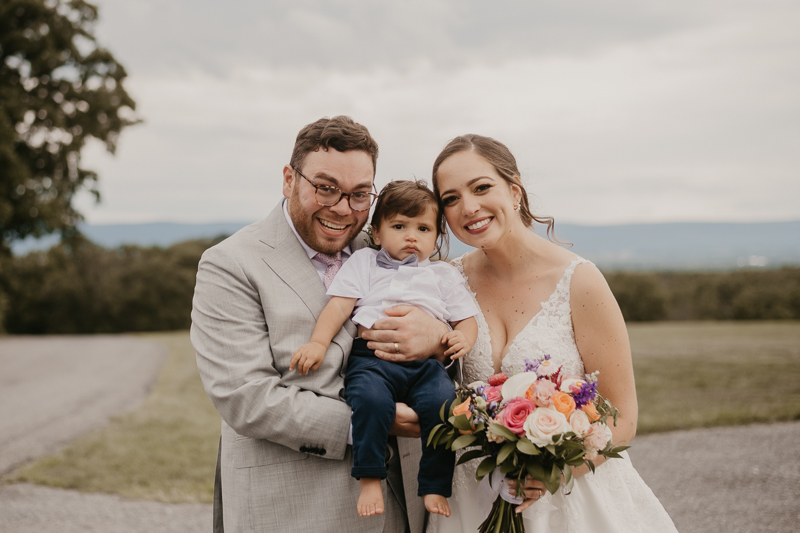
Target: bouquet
537,423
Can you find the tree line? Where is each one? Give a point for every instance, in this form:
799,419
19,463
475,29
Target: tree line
79,287
736,295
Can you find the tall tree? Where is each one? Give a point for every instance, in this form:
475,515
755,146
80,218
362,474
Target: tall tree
58,88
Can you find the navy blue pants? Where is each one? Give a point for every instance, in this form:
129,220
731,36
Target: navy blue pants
372,387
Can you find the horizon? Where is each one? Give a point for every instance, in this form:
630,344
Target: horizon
564,222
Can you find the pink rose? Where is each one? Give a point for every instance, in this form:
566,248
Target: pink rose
515,413
580,423
541,393
493,394
544,424
599,437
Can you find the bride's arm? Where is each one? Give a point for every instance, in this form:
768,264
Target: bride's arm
602,341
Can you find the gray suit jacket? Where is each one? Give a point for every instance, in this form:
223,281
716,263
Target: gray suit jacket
284,461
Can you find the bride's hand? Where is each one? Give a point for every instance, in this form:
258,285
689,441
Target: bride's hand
533,488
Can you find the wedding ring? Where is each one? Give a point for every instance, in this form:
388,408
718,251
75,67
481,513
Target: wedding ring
541,494
396,348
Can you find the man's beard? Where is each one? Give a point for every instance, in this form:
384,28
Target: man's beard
305,228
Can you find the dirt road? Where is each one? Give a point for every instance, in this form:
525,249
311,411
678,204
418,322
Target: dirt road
56,388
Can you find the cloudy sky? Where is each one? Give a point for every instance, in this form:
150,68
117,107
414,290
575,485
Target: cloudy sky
618,110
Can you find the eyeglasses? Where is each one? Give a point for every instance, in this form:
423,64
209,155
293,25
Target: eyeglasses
328,196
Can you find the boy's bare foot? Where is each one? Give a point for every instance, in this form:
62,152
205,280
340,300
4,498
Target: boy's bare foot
436,503
370,501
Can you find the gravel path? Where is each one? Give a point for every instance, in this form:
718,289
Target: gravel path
28,508
55,388
737,480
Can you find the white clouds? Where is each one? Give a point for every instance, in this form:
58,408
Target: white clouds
616,111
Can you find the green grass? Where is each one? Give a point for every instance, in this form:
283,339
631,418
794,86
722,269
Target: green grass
165,450
688,374
701,374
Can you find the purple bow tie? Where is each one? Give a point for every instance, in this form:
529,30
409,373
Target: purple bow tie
384,260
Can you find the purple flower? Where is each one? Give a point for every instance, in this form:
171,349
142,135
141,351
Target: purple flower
531,365
585,395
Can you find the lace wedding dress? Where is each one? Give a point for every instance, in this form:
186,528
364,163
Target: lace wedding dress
612,500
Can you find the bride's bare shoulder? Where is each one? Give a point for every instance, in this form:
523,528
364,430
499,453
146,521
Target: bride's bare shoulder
589,288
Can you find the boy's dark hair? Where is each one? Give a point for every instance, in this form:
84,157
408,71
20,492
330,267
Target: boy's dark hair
411,199
340,133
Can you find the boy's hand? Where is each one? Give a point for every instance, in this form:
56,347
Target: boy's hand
307,357
457,343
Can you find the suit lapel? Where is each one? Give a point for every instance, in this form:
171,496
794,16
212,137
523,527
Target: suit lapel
287,258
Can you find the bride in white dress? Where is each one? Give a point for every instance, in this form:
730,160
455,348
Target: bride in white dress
538,298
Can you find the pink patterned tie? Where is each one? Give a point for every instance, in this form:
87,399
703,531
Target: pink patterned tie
332,265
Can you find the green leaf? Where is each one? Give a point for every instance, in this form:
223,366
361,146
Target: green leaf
433,432
462,442
453,406
469,456
535,470
460,422
527,447
505,451
505,468
486,466
502,431
441,412
443,432
553,479
567,476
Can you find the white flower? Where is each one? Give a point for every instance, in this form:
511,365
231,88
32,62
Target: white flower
569,383
580,423
599,436
547,368
545,423
516,385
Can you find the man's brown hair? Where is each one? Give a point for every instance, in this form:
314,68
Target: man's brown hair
340,133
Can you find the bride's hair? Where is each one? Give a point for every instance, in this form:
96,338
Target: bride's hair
503,161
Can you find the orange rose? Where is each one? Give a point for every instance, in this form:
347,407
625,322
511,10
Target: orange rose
591,412
463,409
563,403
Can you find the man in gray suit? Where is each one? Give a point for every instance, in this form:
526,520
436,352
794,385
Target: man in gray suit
284,460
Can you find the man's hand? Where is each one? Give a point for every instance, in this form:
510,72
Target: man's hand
406,422
406,334
307,357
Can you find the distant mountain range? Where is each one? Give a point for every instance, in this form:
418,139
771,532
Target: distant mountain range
668,246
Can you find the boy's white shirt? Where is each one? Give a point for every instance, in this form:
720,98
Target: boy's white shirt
435,287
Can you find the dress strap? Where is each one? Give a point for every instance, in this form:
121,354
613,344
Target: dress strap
567,276
458,262
561,296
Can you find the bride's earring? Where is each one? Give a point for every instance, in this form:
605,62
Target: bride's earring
516,207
